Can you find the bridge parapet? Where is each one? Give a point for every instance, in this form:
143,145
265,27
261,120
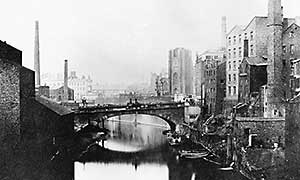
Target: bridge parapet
172,113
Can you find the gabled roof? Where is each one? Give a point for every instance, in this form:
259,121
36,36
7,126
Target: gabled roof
261,18
290,26
257,61
239,27
10,53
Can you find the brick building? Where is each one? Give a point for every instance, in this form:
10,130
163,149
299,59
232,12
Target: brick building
243,41
81,85
210,85
264,79
199,78
291,58
180,71
22,113
252,75
220,87
58,94
255,40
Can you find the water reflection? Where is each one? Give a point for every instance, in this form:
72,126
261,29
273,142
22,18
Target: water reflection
146,171
128,135
139,151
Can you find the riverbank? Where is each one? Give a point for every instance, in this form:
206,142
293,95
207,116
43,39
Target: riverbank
252,163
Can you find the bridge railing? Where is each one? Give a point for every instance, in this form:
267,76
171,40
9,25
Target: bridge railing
133,106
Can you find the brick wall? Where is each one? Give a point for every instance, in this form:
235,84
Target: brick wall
12,54
9,102
293,138
267,130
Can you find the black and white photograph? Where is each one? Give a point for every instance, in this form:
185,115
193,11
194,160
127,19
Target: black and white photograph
150,90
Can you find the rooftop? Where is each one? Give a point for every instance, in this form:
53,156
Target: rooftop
59,109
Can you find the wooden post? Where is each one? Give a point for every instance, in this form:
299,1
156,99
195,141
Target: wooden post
234,141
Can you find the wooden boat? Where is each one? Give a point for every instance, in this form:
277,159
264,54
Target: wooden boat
193,154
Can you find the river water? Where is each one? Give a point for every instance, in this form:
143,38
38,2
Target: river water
136,149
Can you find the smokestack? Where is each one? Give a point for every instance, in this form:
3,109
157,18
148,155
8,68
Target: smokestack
66,98
37,55
223,32
275,12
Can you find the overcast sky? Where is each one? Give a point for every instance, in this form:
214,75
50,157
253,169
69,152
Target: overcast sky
121,41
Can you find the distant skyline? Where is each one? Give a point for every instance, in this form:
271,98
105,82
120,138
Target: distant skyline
122,42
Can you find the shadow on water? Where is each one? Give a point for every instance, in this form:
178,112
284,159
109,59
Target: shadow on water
34,159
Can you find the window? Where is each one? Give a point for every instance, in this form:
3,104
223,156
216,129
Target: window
234,53
208,57
229,53
251,50
229,65
229,41
229,77
251,36
240,38
240,51
284,49
284,63
229,90
245,35
292,48
215,57
234,39
234,77
291,34
234,65
234,90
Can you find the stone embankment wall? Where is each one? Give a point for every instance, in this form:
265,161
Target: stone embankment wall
269,131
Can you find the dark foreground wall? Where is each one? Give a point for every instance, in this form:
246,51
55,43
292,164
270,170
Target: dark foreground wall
24,116
9,102
292,151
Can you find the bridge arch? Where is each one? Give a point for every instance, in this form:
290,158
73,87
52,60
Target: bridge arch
163,117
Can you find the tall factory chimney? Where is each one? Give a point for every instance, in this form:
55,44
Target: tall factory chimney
66,97
223,32
274,68
37,56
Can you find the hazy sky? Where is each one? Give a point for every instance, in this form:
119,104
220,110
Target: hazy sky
121,41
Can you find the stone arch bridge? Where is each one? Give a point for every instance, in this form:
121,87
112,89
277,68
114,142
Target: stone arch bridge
172,113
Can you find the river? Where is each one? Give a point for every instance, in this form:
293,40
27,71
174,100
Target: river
136,149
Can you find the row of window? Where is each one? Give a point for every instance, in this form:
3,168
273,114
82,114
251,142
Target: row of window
291,49
233,65
295,83
233,53
233,40
211,57
295,68
234,77
210,73
232,89
211,90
